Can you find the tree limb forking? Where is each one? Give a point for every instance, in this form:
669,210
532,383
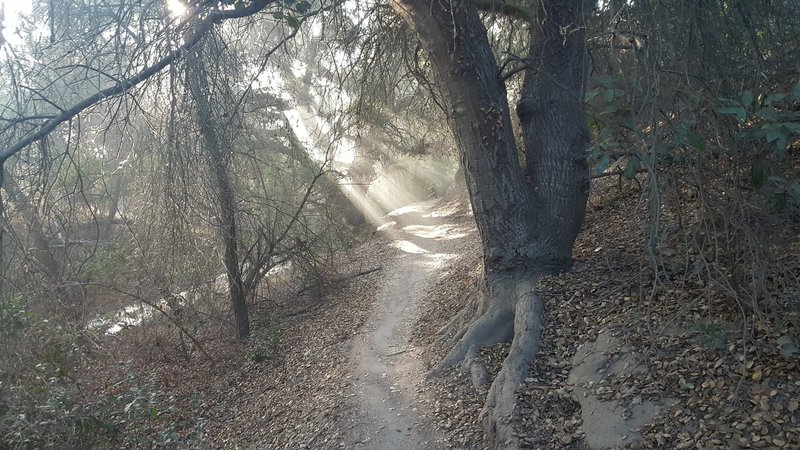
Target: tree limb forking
505,8
205,25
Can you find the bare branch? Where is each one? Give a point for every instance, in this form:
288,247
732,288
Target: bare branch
203,27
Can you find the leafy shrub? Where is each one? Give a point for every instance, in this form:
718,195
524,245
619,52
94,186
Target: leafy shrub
770,121
14,314
45,403
108,262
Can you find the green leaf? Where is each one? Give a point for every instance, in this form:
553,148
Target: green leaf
239,5
292,22
608,109
631,167
768,113
302,7
605,80
779,201
776,134
792,127
680,133
758,174
609,95
747,98
602,163
736,111
695,140
794,191
774,98
594,125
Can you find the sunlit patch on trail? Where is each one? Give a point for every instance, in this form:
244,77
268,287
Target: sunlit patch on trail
435,260
408,209
409,247
444,231
387,225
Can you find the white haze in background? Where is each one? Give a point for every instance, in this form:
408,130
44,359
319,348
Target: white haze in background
13,10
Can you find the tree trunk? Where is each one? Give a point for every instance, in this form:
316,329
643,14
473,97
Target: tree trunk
527,226
553,121
67,295
216,149
113,206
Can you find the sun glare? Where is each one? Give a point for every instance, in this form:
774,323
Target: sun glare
176,7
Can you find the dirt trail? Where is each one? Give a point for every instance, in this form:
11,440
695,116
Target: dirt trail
386,366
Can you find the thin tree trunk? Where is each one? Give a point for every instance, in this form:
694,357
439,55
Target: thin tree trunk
113,206
213,144
43,254
69,296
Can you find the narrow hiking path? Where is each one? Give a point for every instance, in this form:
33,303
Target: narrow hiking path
352,362
386,366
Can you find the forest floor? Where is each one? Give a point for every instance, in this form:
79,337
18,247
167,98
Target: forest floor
624,364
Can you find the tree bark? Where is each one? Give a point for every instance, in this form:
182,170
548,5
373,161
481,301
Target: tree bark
217,149
553,121
528,220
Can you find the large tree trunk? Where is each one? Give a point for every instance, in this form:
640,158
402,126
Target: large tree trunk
554,127
527,227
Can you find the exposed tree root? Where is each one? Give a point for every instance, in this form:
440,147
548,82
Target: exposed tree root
455,325
494,323
501,399
509,309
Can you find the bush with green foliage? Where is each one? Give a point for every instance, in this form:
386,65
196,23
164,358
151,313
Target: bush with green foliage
45,403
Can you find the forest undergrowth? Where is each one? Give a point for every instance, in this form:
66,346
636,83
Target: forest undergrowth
728,373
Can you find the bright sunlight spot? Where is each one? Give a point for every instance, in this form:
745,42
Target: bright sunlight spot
176,7
438,232
408,247
13,10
